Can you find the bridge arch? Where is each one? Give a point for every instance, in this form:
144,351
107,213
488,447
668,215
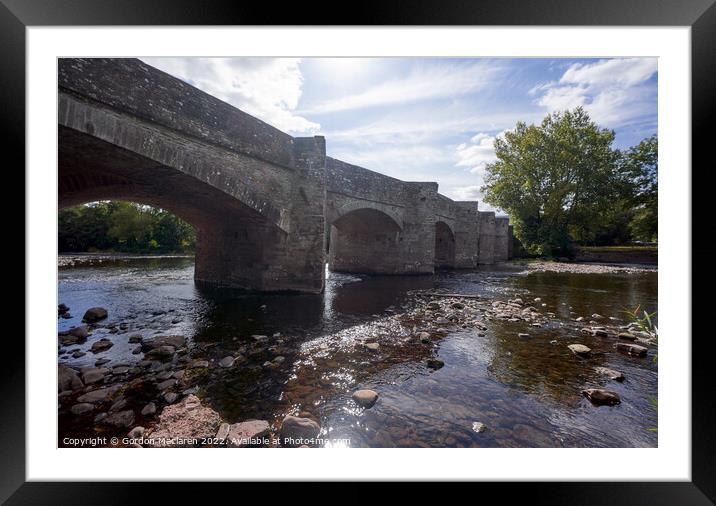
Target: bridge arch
444,246
365,239
234,240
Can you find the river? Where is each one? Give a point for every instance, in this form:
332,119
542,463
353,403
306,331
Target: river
524,392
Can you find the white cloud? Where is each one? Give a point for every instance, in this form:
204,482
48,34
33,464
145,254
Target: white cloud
477,153
268,88
614,92
423,83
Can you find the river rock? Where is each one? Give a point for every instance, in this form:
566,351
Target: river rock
223,433
123,369
62,308
580,350
101,345
424,337
610,373
372,346
101,395
601,397
435,363
68,379
522,335
227,361
78,354
80,332
626,336
163,352
136,432
101,362
118,405
599,332
166,384
296,431
198,364
94,375
149,410
120,419
135,339
151,343
632,349
186,420
479,427
442,321
95,314
170,397
247,433
365,398
82,408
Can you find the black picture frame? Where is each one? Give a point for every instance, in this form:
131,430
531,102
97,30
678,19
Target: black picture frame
700,15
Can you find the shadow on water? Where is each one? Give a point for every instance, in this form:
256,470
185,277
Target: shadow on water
525,391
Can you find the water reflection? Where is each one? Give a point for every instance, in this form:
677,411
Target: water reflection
526,392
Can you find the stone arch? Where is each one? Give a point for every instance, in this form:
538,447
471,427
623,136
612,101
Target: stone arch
444,245
365,239
359,205
235,241
84,124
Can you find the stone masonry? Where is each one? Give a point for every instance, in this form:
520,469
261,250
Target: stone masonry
269,209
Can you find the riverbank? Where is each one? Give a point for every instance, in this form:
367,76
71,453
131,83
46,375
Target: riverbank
65,260
582,268
643,255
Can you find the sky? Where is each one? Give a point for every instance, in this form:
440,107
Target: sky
421,119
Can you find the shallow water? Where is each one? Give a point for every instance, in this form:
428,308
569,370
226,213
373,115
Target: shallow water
527,392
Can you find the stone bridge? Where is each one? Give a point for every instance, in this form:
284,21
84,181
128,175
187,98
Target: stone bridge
269,209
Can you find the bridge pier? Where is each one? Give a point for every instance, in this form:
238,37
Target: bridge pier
486,243
501,250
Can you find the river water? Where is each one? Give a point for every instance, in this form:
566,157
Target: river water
526,392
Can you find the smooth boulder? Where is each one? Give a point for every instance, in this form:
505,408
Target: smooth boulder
68,379
632,349
296,431
610,373
95,314
580,350
365,398
601,397
248,433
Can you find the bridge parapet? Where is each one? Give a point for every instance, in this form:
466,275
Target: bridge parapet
131,86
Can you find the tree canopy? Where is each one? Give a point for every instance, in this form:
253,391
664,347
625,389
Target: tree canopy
123,227
562,184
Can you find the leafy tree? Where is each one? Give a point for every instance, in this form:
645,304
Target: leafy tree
640,164
122,226
555,180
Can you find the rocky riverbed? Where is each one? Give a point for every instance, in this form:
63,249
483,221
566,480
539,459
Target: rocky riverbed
387,373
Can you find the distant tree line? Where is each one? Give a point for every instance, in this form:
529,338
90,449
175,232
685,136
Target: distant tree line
123,227
563,185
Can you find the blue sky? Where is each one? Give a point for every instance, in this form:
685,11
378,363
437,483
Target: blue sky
426,119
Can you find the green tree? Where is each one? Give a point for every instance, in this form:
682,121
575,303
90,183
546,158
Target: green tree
640,164
555,180
122,226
